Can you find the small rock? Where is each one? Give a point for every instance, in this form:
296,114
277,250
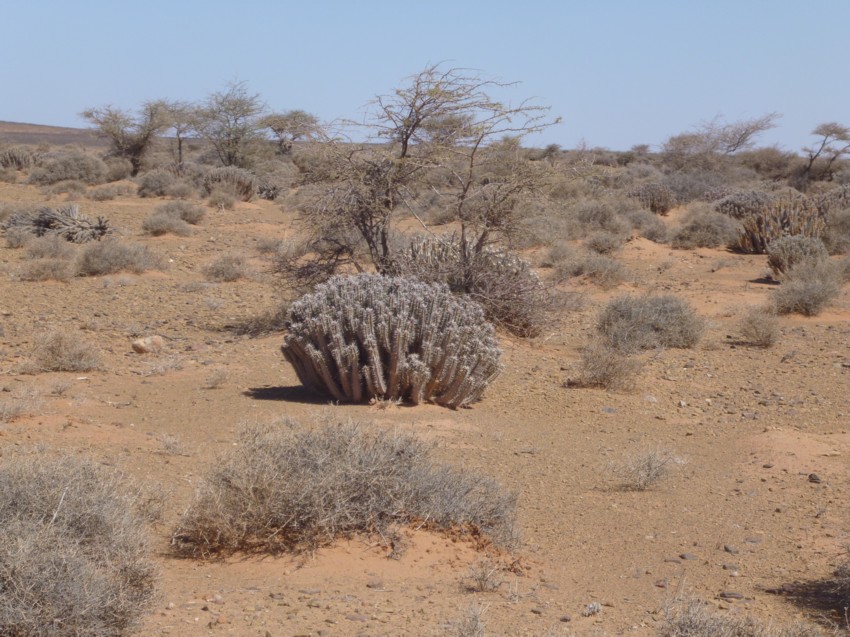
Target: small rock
688,556
148,344
730,549
609,410
310,591
537,610
356,617
753,540
565,618
662,583
375,582
814,478
731,595
767,465
650,399
730,567
673,560
682,403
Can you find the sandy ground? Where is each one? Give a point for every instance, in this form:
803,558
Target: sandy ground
740,522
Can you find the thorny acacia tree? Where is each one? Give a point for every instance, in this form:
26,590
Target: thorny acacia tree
833,143
290,127
441,133
230,121
131,135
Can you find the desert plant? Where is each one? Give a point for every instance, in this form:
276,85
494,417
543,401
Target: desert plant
782,217
808,288
631,323
67,165
836,237
118,168
370,336
655,197
644,468
649,225
788,252
226,268
74,558
155,183
49,246
605,242
66,222
221,199
289,488
46,270
606,366
108,192
190,213
160,223
505,285
242,183
484,576
601,269
61,351
693,618
16,157
112,255
743,203
229,120
704,228
759,327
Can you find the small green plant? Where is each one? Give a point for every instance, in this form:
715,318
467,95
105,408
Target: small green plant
630,323
370,336
289,488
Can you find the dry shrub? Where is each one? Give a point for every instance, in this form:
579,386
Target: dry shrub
16,158
155,183
68,166
602,270
118,168
46,270
180,189
630,323
17,237
70,187
221,199
808,288
693,618
288,488
237,181
759,327
261,324
469,624
743,203
600,214
645,468
8,175
605,242
112,255
59,351
227,268
109,191
49,246
656,198
188,212
842,579
19,403
66,222
74,558
836,237
160,223
607,367
704,228
649,225
786,253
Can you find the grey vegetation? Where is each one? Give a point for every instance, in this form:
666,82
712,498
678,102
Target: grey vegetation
66,222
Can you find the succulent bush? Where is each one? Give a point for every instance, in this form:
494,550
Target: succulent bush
372,336
505,285
68,165
743,203
66,222
656,198
16,157
241,182
780,218
787,252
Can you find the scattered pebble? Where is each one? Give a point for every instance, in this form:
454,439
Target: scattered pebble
814,478
688,556
593,608
730,549
731,595
537,610
565,618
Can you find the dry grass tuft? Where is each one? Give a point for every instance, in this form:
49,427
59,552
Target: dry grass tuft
111,256
287,488
645,468
60,351
759,327
808,288
227,268
693,618
630,323
74,558
607,367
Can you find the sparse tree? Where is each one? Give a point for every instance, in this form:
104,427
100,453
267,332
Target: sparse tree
290,127
230,121
130,134
833,143
181,124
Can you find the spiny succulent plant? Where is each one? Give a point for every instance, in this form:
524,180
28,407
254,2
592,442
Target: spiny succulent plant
371,336
785,253
656,198
66,222
780,218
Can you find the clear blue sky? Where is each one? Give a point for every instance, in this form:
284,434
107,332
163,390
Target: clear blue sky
619,72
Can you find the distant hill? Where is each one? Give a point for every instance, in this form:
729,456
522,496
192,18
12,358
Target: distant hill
20,133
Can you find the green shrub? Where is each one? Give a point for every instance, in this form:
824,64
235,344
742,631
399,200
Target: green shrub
631,323
370,336
505,285
786,253
68,165
288,488
75,557
112,255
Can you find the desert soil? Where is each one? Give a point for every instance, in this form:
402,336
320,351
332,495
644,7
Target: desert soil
740,523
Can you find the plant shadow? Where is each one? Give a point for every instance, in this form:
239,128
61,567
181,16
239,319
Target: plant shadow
292,394
821,598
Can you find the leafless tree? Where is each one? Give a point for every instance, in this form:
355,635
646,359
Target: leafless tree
130,134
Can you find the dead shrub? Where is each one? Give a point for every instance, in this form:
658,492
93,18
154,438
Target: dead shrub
630,323
227,268
46,270
607,367
788,252
60,351
645,468
836,237
188,212
605,242
75,550
112,255
693,618
600,269
288,488
759,327
808,289
17,237
704,228
19,403
160,223
221,199
50,246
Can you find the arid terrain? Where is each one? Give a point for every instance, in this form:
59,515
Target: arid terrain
752,517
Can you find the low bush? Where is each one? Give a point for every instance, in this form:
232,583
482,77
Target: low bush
607,367
16,158
645,468
648,224
60,351
108,192
227,268
221,199
600,269
743,203
238,181
112,255
68,165
66,222
630,323
49,246
75,557
703,228
505,285
836,237
288,488
118,168
789,252
155,183
605,242
188,212
46,270
656,198
808,288
160,223
759,327
8,175
693,618
791,216
370,336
